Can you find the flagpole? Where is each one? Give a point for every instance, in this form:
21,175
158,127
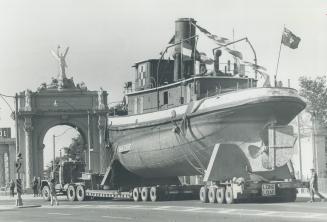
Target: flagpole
280,49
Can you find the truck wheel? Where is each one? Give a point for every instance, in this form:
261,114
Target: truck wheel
220,195
204,194
71,193
229,195
46,193
136,194
154,194
212,195
145,194
288,195
80,193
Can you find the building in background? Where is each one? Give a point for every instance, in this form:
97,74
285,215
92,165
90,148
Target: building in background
7,157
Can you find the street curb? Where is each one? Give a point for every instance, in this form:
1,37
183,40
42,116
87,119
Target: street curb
29,206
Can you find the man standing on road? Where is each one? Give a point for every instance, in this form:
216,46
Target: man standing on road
53,194
314,186
35,187
12,188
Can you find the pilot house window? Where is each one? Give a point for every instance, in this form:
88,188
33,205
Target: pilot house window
165,95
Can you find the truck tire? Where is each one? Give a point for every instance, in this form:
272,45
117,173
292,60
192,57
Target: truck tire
229,195
136,194
288,195
154,194
220,195
212,195
80,193
145,194
204,194
46,193
71,193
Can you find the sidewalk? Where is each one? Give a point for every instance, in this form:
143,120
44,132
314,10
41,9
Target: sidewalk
9,203
24,197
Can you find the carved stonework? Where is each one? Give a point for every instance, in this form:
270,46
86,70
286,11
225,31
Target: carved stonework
28,125
102,122
28,102
101,105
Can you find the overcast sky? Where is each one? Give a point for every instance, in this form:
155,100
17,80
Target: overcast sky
106,37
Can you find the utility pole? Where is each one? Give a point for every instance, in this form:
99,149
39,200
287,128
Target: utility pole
19,201
314,148
299,145
54,154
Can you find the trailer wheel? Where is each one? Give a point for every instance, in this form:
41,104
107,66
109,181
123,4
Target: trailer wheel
229,195
136,194
71,193
220,195
212,195
145,194
46,193
80,193
154,194
288,195
204,194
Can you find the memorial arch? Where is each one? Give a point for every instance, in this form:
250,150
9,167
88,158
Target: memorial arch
61,103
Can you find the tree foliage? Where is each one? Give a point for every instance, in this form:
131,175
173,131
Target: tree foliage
77,148
75,151
315,92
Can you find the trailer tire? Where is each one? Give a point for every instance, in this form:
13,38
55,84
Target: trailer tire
71,193
204,194
288,195
136,194
212,195
145,194
220,195
46,193
80,193
154,194
229,195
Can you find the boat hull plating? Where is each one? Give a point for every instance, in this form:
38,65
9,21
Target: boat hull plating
179,142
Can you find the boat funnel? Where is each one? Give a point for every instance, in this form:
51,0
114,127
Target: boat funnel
184,52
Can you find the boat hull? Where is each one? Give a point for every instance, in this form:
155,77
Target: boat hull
181,143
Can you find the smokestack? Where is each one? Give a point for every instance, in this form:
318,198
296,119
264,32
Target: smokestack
183,30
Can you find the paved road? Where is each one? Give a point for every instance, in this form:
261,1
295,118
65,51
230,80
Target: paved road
162,211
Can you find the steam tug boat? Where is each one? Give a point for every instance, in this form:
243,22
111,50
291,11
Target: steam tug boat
178,110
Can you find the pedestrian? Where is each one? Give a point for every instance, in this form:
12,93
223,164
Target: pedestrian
314,187
35,187
53,195
39,187
12,188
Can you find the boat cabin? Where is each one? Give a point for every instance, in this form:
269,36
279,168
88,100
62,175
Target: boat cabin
147,97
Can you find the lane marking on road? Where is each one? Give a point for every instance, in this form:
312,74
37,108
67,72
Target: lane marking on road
265,213
120,218
62,214
226,211
194,209
83,206
162,208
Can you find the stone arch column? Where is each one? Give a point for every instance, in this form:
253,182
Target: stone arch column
2,170
28,151
102,148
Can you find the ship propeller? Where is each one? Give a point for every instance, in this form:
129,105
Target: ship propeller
256,151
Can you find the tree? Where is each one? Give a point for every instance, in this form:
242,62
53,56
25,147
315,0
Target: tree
77,148
315,92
